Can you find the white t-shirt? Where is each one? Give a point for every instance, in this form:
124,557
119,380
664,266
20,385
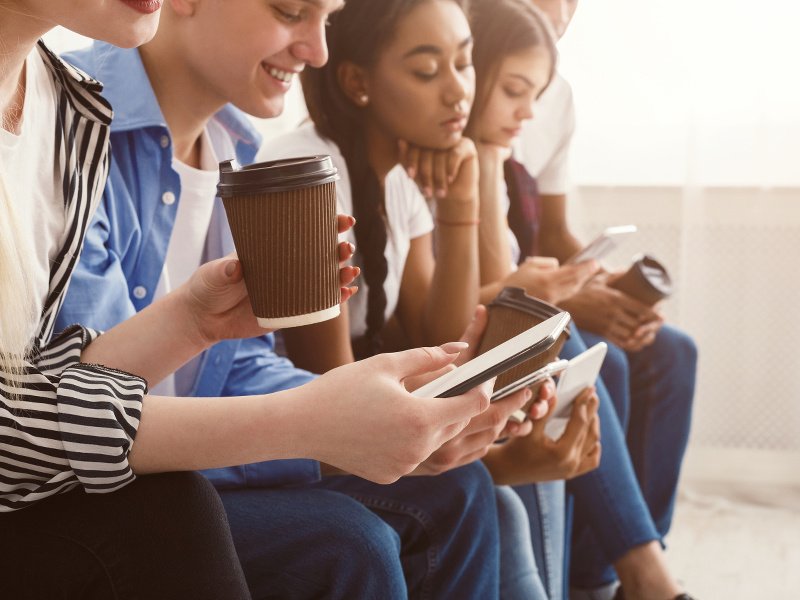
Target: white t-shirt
543,146
28,164
187,242
406,212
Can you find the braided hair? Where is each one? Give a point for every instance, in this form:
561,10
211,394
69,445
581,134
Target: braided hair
357,34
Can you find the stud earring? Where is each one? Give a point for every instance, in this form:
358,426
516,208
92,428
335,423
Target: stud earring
363,99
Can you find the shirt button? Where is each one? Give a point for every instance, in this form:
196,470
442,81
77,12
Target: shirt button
164,141
139,292
168,198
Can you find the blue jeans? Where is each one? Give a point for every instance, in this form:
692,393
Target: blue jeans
629,500
344,537
531,531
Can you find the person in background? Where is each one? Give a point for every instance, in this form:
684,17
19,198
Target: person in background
650,368
159,219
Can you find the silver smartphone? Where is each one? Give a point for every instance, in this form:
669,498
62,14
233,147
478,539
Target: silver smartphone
603,244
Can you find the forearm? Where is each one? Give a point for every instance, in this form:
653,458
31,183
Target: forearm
555,238
454,290
320,347
493,242
152,344
179,434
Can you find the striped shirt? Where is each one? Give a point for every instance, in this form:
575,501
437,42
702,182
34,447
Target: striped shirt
69,424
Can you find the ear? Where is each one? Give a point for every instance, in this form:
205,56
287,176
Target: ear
184,8
354,83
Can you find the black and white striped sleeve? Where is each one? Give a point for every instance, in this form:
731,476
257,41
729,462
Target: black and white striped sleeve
66,424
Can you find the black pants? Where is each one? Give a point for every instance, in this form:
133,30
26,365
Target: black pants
162,536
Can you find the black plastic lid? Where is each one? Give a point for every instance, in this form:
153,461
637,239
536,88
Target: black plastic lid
514,297
275,175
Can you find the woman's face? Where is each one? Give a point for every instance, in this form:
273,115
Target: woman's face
520,79
422,85
125,23
250,52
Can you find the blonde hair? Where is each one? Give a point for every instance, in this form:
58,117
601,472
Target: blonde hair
18,316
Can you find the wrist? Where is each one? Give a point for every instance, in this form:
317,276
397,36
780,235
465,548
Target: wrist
188,320
452,210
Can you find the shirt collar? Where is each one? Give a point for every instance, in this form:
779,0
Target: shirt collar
78,86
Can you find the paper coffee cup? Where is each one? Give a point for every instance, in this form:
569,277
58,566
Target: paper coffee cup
282,215
647,280
510,313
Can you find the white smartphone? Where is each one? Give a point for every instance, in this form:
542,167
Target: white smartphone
499,359
603,244
581,373
549,370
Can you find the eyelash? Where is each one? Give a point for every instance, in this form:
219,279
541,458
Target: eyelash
288,16
432,76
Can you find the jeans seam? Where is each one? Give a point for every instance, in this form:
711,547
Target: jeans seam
427,524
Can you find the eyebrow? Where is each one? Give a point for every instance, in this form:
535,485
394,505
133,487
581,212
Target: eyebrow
430,49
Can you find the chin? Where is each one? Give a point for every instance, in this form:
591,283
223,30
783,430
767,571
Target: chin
265,110
137,35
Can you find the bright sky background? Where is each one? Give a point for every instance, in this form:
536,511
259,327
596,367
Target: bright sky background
676,92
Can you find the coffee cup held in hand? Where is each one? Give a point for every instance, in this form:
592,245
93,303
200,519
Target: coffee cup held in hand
282,216
510,313
647,280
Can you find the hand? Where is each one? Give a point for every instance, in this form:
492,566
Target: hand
552,285
216,297
492,155
621,319
535,458
476,439
368,423
446,175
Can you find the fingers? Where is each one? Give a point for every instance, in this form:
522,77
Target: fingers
473,334
344,223
440,174
347,275
425,172
578,424
345,251
347,292
466,406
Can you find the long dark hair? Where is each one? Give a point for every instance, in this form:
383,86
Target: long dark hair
357,34
501,28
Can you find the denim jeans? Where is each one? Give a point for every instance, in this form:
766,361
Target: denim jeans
538,532
446,526
630,498
160,537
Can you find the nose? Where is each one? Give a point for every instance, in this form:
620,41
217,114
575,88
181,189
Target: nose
459,89
525,112
311,46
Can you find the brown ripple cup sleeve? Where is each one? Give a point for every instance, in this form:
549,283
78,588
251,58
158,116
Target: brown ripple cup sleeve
646,280
510,313
282,215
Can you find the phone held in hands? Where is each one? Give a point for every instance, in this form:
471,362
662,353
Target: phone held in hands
499,359
581,372
603,244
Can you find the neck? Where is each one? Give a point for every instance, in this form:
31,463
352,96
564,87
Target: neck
185,101
382,150
18,33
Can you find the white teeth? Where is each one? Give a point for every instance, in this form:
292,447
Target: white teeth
285,76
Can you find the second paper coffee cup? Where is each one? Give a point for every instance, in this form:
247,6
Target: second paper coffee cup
282,216
647,280
510,313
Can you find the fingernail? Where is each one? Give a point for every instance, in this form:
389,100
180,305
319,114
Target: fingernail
352,247
549,388
412,172
440,193
454,347
428,192
352,221
230,268
512,428
528,393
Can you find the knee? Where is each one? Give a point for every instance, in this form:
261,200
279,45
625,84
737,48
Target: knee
680,346
469,490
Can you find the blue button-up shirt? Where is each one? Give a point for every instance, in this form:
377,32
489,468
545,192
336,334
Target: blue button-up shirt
126,247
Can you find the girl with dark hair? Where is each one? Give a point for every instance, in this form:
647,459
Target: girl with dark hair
513,67
399,71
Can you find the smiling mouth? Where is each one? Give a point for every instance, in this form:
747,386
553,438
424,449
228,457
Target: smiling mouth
279,74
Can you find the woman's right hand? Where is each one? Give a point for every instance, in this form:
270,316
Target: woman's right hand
448,176
552,284
360,417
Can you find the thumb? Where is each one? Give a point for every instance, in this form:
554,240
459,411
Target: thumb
419,361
